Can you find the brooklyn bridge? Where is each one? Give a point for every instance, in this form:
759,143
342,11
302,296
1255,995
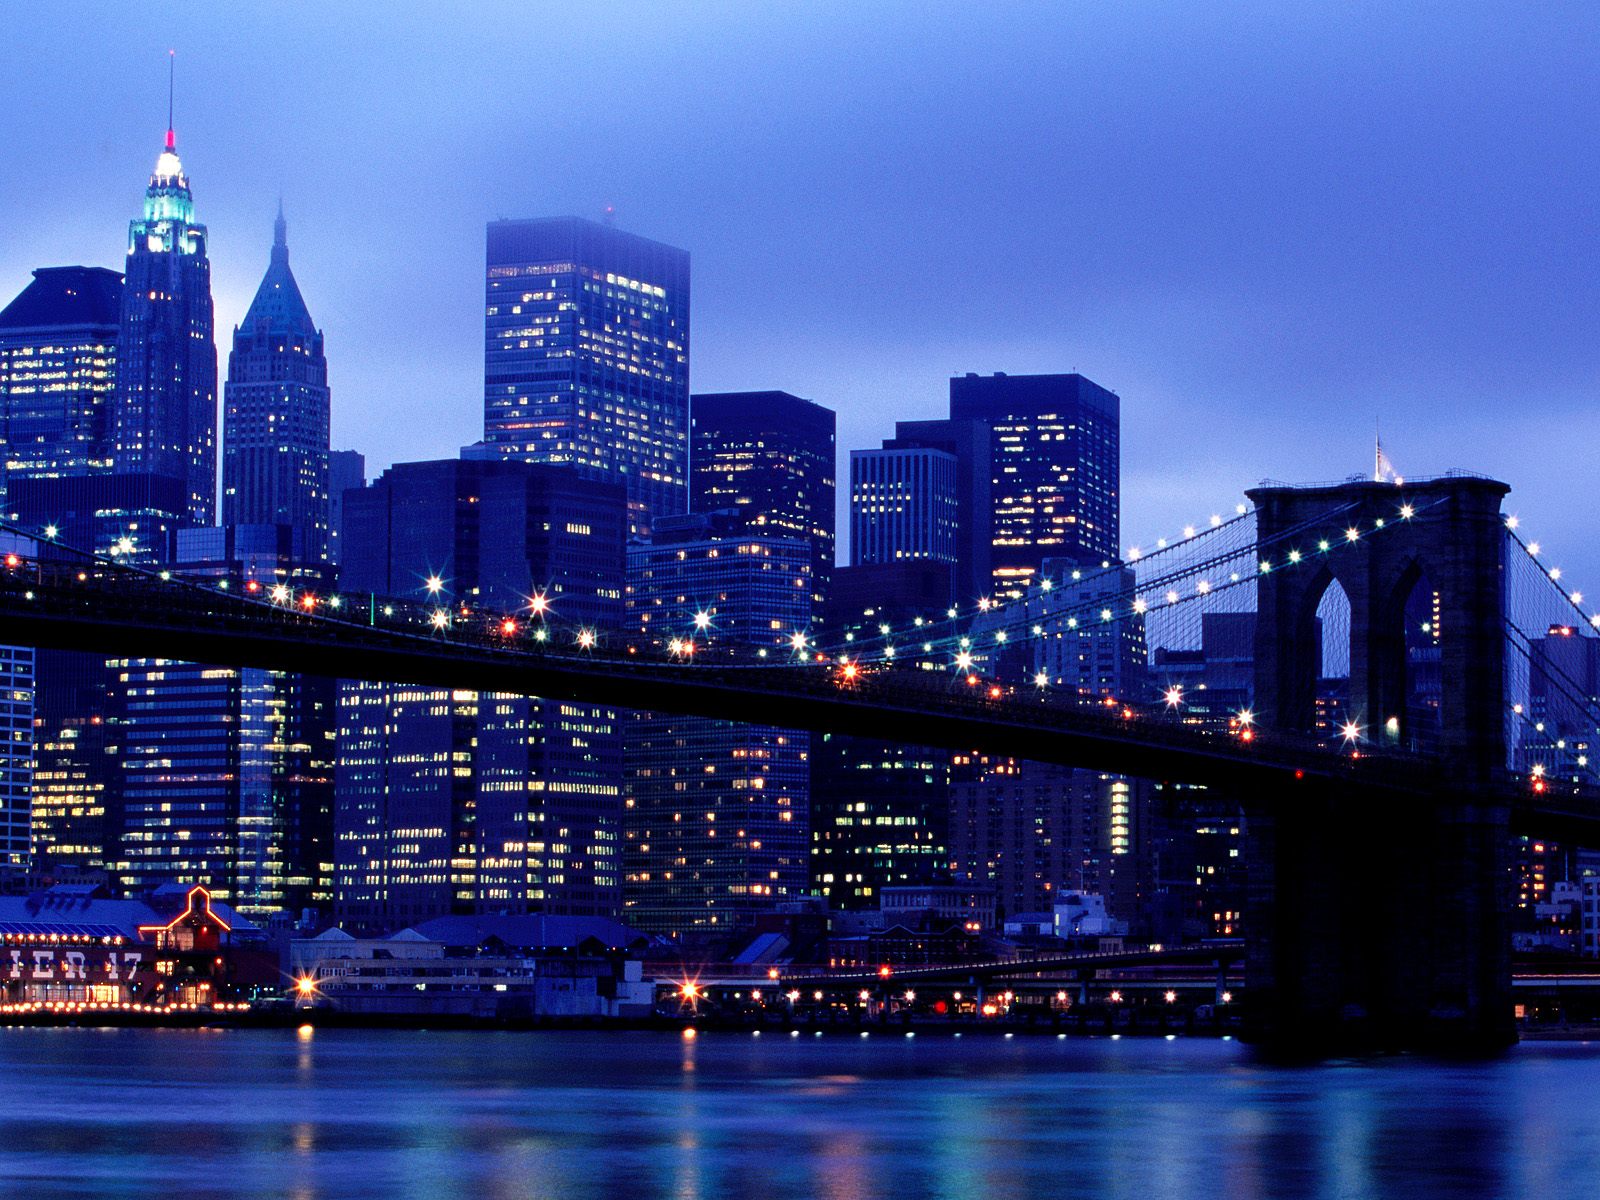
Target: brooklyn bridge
1378,848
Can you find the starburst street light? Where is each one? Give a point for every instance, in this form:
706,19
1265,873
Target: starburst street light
797,640
1174,696
538,603
586,638
702,620
1042,679
435,585
440,618
964,661
1350,731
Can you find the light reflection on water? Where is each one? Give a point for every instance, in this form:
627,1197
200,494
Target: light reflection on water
358,1114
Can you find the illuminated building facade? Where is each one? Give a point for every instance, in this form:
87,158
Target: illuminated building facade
586,356
1033,831
880,816
904,504
716,820
226,782
227,772
771,459
1054,462
165,421
58,363
74,794
460,801
968,442
880,811
276,412
16,754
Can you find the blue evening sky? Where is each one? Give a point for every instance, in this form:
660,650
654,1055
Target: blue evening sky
1264,224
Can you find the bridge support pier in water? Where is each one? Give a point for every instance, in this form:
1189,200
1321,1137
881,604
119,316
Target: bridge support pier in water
1382,920
1379,927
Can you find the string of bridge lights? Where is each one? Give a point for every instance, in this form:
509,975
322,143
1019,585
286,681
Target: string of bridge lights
1573,598
1140,600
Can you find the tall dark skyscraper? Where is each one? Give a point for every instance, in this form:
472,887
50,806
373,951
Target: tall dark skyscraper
1054,462
347,471
586,356
461,801
58,362
770,458
166,395
276,412
968,443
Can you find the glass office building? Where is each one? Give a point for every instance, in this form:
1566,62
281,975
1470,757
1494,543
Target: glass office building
716,821
586,356
1054,445
58,364
770,459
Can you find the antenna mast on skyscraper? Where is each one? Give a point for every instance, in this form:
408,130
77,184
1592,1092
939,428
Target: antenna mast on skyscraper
172,71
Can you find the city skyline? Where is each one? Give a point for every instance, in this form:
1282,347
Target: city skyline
1453,299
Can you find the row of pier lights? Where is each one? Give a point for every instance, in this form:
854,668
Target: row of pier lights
823,1001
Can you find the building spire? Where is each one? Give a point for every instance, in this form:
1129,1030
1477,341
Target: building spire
172,71
280,236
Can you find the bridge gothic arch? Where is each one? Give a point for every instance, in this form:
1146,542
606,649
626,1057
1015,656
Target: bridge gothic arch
1440,545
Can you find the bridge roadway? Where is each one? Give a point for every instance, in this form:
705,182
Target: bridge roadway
121,612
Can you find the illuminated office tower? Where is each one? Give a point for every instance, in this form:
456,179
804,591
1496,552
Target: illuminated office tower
1054,470
16,754
716,822
770,459
58,363
165,421
276,412
460,801
227,772
74,798
586,356
904,504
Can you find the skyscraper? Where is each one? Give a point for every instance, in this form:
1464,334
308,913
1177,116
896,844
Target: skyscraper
968,443
454,800
586,356
16,754
347,470
58,362
227,772
166,394
276,411
769,458
904,504
716,824
1054,462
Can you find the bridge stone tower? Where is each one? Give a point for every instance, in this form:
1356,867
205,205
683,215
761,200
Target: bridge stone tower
1383,919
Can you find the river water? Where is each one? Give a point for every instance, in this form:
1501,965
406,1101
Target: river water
349,1113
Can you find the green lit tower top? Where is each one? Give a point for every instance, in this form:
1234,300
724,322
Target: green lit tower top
166,393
